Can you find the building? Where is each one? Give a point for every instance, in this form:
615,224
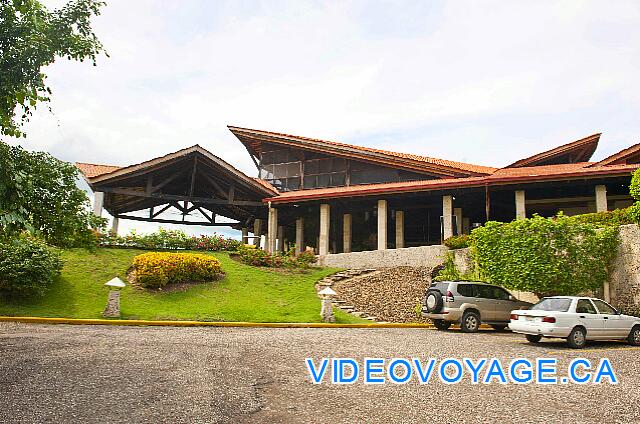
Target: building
339,198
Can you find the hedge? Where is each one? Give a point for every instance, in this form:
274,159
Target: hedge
28,266
161,268
170,240
253,256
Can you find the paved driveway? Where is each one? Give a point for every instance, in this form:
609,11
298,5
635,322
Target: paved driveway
132,374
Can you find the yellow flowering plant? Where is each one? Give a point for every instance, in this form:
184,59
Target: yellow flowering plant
158,269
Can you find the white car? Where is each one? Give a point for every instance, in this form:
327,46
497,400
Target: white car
576,319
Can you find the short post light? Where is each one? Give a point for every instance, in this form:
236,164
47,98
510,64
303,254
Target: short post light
113,303
327,310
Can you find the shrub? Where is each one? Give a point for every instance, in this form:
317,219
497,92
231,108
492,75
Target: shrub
27,266
545,255
634,190
160,268
601,219
251,255
171,240
457,242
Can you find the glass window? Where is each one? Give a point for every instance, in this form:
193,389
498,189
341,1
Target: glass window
485,292
500,293
605,308
585,306
558,304
467,290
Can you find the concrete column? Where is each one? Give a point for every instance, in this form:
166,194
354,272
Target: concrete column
458,214
601,198
257,231
399,229
299,235
280,244
606,292
447,212
521,209
466,226
325,216
346,233
114,226
382,224
245,235
272,229
98,201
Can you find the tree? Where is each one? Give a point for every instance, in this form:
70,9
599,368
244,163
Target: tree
38,194
32,37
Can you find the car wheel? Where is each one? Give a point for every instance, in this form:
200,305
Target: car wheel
470,322
577,338
532,338
498,327
433,302
441,324
634,336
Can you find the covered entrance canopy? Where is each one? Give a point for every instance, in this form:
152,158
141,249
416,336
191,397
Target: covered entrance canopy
191,179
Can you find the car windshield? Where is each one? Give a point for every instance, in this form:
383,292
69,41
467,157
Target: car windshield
559,304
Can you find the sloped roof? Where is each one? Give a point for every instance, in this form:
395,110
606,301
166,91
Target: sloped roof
576,151
90,170
253,139
501,177
622,156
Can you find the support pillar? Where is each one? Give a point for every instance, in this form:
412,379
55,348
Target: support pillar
299,235
323,243
521,209
346,233
601,198
98,201
280,243
382,224
457,212
272,229
447,213
257,231
245,235
399,229
466,226
114,226
606,292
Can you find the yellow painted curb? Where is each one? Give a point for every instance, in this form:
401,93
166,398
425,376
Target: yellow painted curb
138,322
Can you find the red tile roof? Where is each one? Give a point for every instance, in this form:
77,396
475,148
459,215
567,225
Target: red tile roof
460,166
620,156
582,150
91,170
501,177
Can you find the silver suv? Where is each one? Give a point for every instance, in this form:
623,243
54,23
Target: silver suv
469,303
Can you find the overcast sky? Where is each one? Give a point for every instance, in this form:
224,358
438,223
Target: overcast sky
485,82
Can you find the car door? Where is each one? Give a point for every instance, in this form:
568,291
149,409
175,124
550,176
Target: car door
503,304
486,302
614,324
588,316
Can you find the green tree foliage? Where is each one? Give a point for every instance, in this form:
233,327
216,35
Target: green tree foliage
27,266
634,190
32,37
545,255
38,194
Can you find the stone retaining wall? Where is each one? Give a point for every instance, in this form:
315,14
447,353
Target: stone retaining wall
624,277
427,256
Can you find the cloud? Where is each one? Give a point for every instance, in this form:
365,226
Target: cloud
485,82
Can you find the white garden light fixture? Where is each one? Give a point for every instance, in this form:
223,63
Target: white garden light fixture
326,312
113,302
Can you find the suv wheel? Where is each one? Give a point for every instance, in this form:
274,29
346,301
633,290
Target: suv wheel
634,336
441,324
533,338
433,302
470,322
577,338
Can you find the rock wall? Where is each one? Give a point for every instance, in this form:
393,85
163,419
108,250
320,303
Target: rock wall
624,277
423,256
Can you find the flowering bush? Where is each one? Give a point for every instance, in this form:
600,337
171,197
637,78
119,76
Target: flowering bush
457,242
160,268
251,255
170,240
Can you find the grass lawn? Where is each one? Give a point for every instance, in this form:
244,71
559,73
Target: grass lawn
245,294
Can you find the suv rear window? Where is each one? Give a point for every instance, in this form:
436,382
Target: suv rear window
467,290
558,304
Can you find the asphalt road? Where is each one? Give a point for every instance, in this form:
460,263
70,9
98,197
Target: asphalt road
67,374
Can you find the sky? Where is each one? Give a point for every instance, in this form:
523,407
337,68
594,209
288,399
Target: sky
485,82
